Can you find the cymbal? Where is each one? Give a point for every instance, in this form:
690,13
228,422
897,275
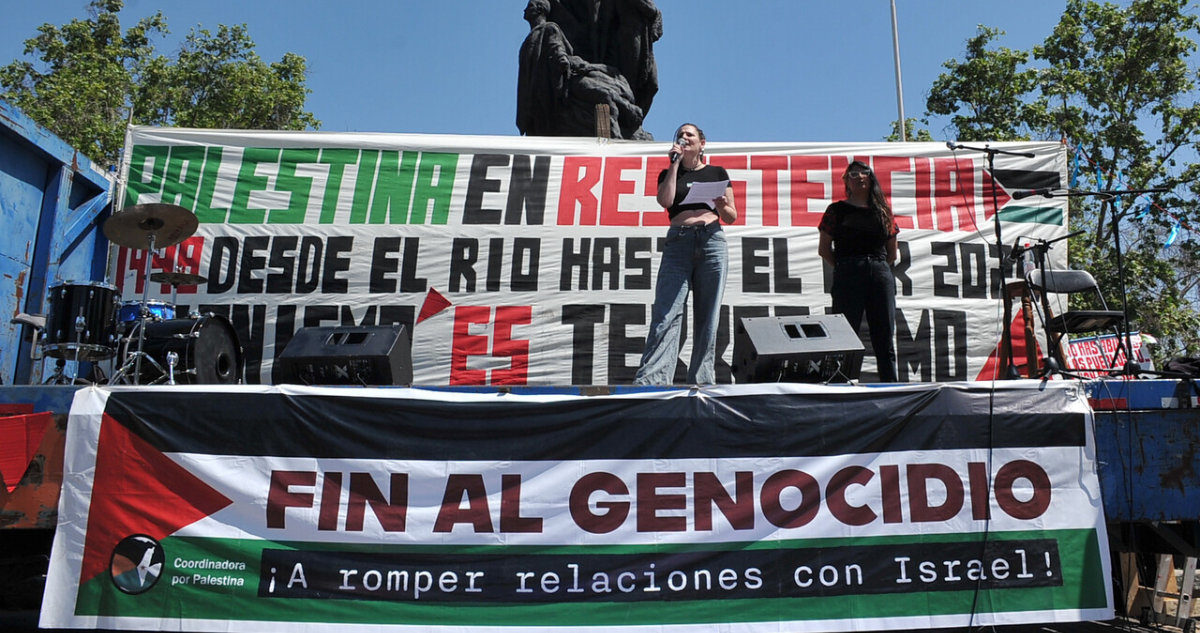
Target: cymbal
133,227
177,278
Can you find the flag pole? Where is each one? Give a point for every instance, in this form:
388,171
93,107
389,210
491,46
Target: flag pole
899,88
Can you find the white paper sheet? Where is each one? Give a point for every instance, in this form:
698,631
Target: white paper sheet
705,192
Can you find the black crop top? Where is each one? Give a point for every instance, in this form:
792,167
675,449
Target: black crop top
683,182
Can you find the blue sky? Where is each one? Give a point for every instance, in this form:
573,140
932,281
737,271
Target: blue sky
754,70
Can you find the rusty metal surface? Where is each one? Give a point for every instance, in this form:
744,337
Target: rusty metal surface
33,504
1149,464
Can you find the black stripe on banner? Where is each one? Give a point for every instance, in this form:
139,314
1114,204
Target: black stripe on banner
837,422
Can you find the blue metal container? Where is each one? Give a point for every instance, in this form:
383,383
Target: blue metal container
53,201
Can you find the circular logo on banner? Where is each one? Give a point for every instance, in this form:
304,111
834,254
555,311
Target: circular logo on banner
137,563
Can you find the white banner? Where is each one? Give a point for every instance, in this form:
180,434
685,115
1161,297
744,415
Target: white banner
531,261
753,508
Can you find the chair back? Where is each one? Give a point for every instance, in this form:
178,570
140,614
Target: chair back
1058,326
1062,281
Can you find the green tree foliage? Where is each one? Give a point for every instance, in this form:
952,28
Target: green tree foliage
912,133
986,96
1115,82
81,89
220,82
91,78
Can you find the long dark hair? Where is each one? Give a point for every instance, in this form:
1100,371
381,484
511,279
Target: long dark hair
878,202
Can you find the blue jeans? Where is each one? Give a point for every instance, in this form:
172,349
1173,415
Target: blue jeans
696,259
865,284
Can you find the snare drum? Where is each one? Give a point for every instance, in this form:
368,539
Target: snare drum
131,311
81,321
208,350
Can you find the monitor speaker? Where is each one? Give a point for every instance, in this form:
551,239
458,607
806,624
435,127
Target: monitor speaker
815,348
348,355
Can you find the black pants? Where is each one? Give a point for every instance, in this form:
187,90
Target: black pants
866,285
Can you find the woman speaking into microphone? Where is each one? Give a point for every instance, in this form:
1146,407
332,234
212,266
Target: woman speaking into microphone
695,259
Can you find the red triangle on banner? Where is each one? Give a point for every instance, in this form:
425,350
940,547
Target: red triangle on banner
22,435
435,302
990,185
138,490
1016,330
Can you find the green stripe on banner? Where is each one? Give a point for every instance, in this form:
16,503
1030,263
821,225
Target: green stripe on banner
1036,215
249,595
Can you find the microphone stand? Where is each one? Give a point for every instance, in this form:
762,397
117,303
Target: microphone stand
1010,372
1108,195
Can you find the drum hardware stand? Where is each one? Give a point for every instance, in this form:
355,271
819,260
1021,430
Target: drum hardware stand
177,278
139,227
167,373
136,358
174,286
80,326
172,358
133,362
137,364
59,377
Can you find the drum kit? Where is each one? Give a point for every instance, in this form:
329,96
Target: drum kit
86,321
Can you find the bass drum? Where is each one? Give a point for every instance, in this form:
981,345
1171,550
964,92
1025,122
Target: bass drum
208,348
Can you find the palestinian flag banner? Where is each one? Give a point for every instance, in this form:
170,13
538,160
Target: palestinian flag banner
753,508
532,261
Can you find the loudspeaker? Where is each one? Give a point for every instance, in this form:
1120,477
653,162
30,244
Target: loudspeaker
814,348
348,355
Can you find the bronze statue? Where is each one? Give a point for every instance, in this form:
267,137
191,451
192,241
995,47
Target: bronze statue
581,53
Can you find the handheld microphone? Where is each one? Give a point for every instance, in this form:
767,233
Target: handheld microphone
1045,191
675,155
679,140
